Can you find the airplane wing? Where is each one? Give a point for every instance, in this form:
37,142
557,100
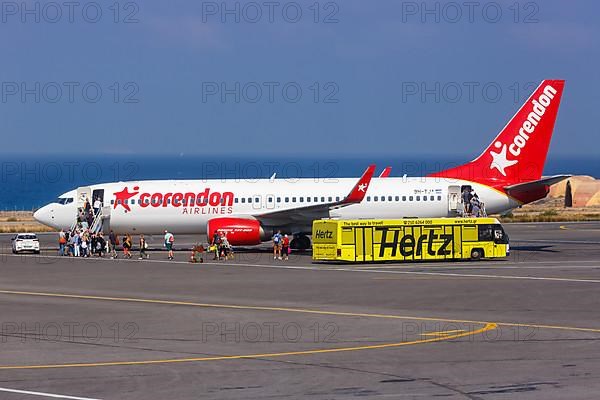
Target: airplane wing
386,172
299,214
544,181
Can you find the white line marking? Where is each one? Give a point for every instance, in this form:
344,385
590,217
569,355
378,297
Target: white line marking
320,267
552,241
55,396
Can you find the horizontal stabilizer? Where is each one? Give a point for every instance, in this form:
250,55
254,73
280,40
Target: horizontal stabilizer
527,192
545,181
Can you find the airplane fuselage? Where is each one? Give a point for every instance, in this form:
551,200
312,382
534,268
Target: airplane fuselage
186,206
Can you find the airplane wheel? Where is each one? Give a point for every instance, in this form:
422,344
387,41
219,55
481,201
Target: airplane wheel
300,243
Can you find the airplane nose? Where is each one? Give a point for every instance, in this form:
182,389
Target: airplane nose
43,216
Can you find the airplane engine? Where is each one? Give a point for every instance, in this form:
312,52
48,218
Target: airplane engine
239,231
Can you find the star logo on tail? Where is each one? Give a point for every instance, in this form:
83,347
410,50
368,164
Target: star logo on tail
362,187
122,197
499,160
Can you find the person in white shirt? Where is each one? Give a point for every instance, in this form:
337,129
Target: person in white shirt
97,206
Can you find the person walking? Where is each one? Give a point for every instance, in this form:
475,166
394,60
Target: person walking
62,241
113,242
215,244
127,243
169,241
285,247
76,244
100,244
143,247
97,205
277,245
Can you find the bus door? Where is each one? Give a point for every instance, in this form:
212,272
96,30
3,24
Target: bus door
454,201
363,242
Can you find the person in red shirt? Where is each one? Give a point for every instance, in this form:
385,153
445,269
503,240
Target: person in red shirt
285,246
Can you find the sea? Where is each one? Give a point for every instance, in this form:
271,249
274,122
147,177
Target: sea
30,181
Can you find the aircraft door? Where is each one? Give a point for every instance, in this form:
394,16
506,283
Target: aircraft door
83,193
454,204
98,194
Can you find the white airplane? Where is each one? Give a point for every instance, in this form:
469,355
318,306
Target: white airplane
506,175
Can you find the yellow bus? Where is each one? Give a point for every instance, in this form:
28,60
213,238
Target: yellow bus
368,240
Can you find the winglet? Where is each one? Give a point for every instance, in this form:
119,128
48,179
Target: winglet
358,192
386,172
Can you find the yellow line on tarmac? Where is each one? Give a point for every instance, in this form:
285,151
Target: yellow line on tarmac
298,310
563,228
442,333
487,327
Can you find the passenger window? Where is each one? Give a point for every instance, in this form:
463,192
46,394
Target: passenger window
397,198
432,198
293,199
323,199
330,199
279,199
337,198
418,198
368,198
287,199
439,198
410,198
389,198
376,198
403,198
257,199
301,199
243,200
424,198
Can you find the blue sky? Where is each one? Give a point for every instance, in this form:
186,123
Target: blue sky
162,75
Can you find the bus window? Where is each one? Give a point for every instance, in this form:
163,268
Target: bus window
485,233
500,237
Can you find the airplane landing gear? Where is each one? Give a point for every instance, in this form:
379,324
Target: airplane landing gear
300,242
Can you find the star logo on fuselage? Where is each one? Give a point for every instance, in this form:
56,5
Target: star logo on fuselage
499,160
122,197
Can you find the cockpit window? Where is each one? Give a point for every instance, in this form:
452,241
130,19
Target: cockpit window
64,200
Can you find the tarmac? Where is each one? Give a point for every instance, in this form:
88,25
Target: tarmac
252,328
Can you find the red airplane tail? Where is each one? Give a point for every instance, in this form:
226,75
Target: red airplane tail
518,153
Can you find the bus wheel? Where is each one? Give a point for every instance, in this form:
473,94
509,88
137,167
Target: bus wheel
476,254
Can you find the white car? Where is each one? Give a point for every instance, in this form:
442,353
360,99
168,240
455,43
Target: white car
25,242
